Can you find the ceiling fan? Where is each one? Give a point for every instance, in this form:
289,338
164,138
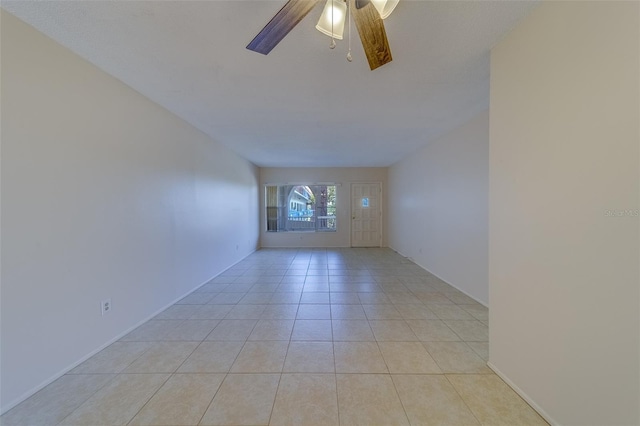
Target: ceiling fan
366,15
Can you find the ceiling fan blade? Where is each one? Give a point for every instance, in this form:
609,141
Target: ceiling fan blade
372,34
280,25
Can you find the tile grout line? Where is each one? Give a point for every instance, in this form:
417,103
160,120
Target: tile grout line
89,397
461,398
151,397
377,279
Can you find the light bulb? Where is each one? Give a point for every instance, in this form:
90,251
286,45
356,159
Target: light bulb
332,19
385,7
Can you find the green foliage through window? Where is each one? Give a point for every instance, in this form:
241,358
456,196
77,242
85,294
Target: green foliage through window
301,208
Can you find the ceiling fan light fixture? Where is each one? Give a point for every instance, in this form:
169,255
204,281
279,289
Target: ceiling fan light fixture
385,7
333,18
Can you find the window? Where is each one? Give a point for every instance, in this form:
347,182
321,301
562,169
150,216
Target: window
309,208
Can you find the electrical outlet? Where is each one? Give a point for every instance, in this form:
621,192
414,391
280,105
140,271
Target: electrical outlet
105,306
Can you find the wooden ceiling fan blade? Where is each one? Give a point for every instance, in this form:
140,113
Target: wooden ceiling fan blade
280,25
372,34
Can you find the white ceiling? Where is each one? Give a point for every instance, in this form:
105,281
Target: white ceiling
303,104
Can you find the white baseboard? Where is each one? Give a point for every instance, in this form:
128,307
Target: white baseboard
439,277
523,395
64,371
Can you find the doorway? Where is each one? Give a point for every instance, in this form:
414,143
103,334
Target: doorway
366,215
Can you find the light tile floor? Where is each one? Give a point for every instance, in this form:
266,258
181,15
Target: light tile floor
296,337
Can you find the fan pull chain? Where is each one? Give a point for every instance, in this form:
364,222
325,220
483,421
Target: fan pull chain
333,42
349,57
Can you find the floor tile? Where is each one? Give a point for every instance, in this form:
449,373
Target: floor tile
118,401
212,312
309,357
470,331
439,285
432,330
370,287
267,284
493,402
316,279
402,298
112,359
408,358
317,330
242,284
285,297
162,357
352,330
392,330
369,399
373,298
226,298
212,357
315,297
261,357
347,312
381,312
418,288
272,330
450,312
280,312
478,311
243,399
344,298
306,399
432,400
358,357
291,281
343,286
271,339
316,286
256,298
245,312
182,400
232,330
52,404
434,298
459,298
191,330
456,357
389,280
313,312
481,348
415,311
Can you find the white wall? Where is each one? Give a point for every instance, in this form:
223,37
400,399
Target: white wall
563,273
439,202
340,175
104,194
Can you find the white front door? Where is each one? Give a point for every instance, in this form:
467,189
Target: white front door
366,215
